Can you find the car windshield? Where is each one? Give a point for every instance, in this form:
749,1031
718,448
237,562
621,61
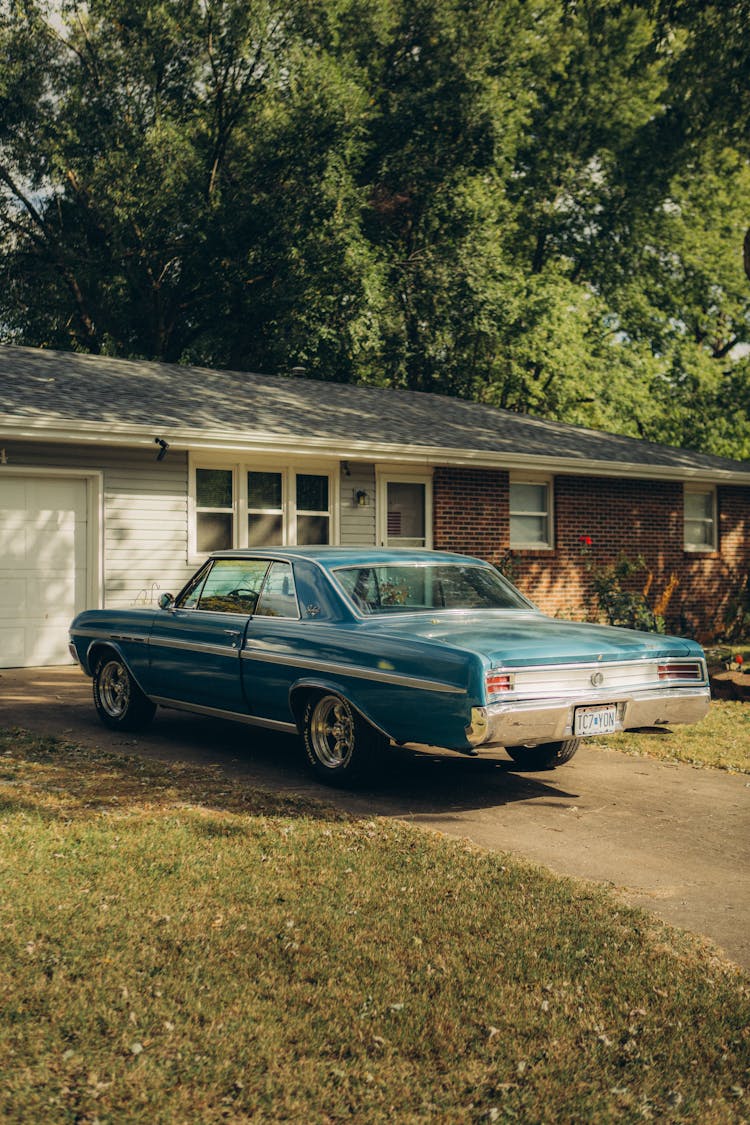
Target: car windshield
410,587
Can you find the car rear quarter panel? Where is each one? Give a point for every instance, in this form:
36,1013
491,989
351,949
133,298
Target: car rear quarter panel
413,690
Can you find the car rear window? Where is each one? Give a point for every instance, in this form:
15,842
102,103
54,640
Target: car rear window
394,588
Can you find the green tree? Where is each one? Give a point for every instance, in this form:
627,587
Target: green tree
686,307
536,203
152,203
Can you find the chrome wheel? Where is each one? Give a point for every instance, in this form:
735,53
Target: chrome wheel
332,732
119,701
114,689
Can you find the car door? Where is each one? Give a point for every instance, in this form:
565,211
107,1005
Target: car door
274,634
196,644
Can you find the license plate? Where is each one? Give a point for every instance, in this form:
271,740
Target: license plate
595,720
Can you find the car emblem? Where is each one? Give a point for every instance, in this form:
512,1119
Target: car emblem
597,679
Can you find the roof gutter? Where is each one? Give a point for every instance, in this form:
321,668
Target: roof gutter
218,441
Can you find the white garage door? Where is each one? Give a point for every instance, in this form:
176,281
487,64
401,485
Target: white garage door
43,561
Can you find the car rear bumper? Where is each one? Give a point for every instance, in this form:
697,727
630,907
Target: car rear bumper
531,722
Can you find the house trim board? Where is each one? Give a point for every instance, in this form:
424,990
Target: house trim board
280,446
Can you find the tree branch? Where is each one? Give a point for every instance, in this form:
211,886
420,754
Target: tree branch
56,257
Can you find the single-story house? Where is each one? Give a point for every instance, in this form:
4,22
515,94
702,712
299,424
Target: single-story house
118,476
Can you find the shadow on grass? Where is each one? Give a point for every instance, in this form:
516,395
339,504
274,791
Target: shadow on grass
191,760
424,780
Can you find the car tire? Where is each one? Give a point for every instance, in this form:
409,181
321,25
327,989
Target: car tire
120,703
545,757
341,748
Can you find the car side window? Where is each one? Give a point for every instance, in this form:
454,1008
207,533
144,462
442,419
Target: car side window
278,597
232,586
190,595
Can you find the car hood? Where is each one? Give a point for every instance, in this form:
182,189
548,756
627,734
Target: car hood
525,639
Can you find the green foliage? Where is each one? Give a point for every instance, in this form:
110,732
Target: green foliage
709,75
535,203
620,603
737,615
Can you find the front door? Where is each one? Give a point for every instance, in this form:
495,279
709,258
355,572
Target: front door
195,646
404,511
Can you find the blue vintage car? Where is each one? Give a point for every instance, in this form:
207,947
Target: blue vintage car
359,648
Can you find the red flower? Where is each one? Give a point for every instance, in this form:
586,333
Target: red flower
739,658
585,539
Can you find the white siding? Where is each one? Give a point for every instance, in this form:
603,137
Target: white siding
145,515
357,526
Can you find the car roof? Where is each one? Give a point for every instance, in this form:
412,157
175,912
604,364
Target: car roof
331,557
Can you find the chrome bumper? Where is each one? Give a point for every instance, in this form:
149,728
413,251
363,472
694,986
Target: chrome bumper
531,722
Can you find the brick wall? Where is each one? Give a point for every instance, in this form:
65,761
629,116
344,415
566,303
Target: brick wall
639,517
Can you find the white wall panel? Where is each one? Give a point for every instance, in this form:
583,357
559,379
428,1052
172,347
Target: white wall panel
143,550
357,523
43,566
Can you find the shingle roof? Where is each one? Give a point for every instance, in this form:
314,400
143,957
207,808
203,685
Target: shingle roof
43,388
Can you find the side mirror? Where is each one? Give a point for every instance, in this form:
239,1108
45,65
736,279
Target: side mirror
166,601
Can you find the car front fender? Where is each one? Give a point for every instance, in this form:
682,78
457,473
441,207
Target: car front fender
99,648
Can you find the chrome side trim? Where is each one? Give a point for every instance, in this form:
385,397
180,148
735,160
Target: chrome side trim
108,635
218,713
356,671
610,693
165,642
196,646
616,678
603,665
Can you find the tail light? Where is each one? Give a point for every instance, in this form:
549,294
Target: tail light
672,670
498,683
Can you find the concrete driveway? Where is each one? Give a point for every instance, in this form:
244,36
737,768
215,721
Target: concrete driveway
670,838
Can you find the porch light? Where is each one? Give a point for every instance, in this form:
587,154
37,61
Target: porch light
360,498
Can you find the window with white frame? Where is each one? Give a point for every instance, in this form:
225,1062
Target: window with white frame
531,513
214,509
257,506
312,503
265,509
700,518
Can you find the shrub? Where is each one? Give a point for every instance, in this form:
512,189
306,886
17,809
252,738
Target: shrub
618,601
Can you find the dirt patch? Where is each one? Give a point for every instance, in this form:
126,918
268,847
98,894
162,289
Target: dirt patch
731,685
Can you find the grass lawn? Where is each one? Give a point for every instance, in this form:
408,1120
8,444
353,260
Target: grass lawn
175,947
721,740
